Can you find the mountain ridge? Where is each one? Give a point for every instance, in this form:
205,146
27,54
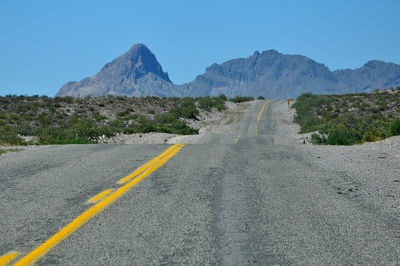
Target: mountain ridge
268,73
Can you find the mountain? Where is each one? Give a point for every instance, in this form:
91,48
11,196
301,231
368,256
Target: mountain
269,74
135,73
279,76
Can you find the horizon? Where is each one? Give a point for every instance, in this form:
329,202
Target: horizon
43,47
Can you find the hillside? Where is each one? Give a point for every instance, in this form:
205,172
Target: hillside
351,118
280,76
63,120
269,74
67,120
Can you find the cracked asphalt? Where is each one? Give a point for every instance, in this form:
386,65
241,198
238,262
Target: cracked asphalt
255,201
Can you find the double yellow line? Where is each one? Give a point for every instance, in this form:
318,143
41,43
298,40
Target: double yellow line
259,117
105,200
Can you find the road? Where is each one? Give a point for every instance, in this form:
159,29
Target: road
246,198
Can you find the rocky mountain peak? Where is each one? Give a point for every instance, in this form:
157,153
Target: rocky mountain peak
268,73
122,75
136,63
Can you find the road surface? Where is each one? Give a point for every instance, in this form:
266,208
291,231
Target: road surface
246,198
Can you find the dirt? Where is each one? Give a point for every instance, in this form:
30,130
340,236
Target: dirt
367,174
214,122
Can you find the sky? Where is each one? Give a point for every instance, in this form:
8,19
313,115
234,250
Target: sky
46,43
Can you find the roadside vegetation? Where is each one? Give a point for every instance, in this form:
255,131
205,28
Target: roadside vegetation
8,150
28,120
349,119
241,99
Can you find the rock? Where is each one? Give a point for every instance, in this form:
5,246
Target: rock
269,74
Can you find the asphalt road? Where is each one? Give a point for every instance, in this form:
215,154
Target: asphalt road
234,199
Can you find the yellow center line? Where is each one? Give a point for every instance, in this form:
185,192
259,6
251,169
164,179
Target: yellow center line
100,196
237,139
5,259
259,117
148,165
262,110
40,251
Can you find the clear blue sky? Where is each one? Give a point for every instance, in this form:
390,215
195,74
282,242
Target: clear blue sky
46,43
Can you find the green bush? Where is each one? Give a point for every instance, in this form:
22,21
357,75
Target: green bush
186,110
317,139
165,118
9,136
395,127
223,97
346,127
207,103
337,134
240,99
373,135
121,114
98,117
53,126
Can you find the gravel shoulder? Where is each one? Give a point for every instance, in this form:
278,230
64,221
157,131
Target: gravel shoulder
367,174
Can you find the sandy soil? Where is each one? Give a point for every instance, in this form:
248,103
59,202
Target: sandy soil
214,122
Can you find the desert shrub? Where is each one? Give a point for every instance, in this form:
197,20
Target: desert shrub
395,127
240,99
179,127
68,99
305,117
308,120
364,106
373,134
43,118
98,117
131,117
165,118
207,103
318,139
339,135
121,114
187,109
9,136
24,129
223,97
3,115
53,135
117,125
375,120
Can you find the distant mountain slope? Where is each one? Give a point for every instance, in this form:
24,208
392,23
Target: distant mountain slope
278,76
135,73
269,74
